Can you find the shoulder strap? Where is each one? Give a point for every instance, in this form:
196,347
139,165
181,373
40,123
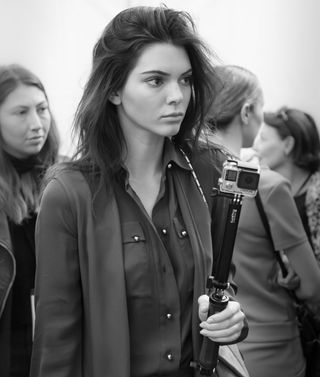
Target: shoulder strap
267,228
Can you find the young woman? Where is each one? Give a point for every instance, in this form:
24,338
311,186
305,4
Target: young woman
28,145
288,142
123,234
272,347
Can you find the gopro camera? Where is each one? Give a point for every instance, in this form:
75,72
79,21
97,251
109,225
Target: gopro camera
239,177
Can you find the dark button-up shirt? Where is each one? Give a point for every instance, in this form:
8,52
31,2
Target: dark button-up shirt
159,269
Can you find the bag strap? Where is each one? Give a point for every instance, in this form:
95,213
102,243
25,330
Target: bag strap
266,225
267,228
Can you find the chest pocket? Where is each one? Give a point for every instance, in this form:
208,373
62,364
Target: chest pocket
136,261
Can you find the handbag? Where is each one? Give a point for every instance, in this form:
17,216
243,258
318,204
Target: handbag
230,362
308,322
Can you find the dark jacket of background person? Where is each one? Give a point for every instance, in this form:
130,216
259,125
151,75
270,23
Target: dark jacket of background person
17,224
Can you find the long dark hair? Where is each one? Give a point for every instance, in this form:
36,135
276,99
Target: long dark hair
19,194
101,141
302,127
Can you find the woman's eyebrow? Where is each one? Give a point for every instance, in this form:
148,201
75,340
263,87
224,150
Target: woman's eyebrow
159,72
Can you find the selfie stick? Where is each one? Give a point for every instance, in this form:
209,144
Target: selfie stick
218,282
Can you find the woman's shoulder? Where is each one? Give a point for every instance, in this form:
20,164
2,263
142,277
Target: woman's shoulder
210,156
275,192
64,179
270,179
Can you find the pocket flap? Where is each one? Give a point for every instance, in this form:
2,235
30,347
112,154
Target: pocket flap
132,232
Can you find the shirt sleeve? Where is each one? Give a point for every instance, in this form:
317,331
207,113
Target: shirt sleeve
284,219
57,342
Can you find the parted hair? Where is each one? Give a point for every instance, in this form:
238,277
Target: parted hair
237,86
302,127
19,193
101,141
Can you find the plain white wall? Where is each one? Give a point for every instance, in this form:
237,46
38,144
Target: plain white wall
279,40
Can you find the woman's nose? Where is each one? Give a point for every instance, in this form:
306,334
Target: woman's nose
175,93
34,121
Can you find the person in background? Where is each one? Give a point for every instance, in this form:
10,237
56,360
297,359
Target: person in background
28,146
288,142
272,347
123,234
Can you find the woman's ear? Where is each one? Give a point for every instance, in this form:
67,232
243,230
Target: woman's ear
245,112
115,99
289,143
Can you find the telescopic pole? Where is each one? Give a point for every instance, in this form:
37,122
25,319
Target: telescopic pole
218,281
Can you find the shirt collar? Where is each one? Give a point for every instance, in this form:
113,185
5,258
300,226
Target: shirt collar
172,154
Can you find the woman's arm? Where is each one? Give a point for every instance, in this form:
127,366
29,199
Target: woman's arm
288,235
304,264
57,342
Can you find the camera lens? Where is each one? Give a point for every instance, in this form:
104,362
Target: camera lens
248,180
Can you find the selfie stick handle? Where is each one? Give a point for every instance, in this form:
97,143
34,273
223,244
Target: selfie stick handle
217,284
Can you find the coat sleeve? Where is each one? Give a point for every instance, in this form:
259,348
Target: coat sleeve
58,322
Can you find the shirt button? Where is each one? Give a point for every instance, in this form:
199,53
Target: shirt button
184,233
164,231
169,315
169,166
169,357
136,238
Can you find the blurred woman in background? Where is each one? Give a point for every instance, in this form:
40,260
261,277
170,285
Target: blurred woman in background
28,145
272,347
288,142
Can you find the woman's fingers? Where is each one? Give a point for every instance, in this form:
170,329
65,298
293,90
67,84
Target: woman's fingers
223,326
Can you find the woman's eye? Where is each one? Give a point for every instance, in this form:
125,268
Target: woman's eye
42,109
21,112
155,81
187,81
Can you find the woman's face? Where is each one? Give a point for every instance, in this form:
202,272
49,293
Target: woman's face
270,147
156,95
255,120
24,121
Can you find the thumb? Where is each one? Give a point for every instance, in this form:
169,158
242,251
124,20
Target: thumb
203,302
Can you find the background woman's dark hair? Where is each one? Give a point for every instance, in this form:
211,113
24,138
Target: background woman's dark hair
101,142
19,195
302,127
237,86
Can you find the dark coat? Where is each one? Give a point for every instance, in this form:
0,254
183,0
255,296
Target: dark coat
7,276
87,316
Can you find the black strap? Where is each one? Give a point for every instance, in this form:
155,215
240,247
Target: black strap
267,228
265,222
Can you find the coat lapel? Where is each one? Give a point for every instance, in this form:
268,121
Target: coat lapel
197,220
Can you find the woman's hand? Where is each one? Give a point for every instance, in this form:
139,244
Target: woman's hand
222,327
292,280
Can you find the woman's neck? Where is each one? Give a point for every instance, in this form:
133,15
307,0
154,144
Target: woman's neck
230,138
144,163
144,159
297,176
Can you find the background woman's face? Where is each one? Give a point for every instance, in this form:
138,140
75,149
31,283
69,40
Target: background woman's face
270,147
254,122
24,121
156,95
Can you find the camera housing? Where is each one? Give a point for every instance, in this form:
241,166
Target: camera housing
239,177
